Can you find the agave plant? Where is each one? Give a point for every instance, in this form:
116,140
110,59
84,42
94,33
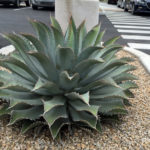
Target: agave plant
63,79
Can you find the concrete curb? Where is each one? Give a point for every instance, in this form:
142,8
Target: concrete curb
143,58
7,49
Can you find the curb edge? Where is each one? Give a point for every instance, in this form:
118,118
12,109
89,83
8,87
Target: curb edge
143,58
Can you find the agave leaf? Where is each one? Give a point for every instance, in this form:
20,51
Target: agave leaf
128,85
37,43
65,58
108,49
109,104
109,81
13,79
91,37
117,112
99,69
106,70
28,125
70,36
20,107
68,82
83,117
28,73
98,126
15,88
31,114
111,41
109,69
20,69
38,59
22,47
54,102
128,59
87,52
85,98
56,24
18,94
99,39
58,124
46,88
128,93
16,55
107,89
72,22
86,65
111,55
46,36
108,92
32,102
17,97
19,42
59,38
29,44
81,33
46,64
122,69
80,106
4,109
38,85
98,83
5,76
75,36
10,93
54,114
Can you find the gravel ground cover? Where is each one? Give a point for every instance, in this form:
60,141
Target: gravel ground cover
133,133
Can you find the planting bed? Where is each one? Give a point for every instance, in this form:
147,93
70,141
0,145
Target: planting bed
133,133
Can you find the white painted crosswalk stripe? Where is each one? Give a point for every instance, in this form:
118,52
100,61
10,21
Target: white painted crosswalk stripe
126,18
131,27
129,20
136,37
115,16
139,46
131,23
121,16
134,31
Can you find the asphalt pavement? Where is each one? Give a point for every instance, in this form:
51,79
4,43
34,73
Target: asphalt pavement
16,20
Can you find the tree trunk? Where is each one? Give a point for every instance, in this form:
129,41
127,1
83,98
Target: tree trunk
80,10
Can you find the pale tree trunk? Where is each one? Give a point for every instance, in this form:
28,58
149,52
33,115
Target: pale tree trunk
80,10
